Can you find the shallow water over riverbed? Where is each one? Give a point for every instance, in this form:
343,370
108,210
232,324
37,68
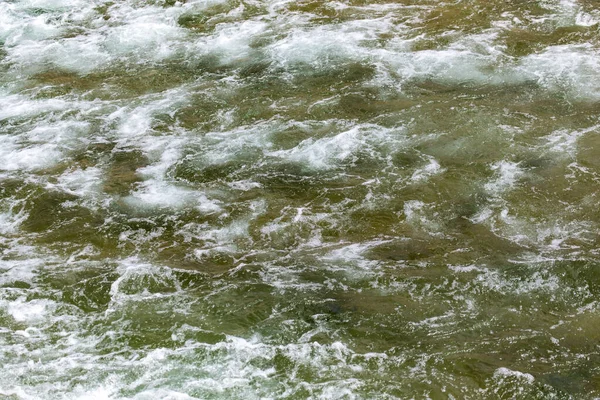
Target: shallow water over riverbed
299,199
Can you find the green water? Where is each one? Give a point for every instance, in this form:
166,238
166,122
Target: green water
299,199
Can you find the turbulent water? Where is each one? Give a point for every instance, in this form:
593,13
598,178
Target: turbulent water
280,199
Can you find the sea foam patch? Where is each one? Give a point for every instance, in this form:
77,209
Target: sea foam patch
507,174
344,147
569,68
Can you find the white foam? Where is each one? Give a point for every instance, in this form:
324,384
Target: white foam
328,152
244,185
32,311
564,142
30,158
134,279
79,54
336,43
507,175
8,20
19,270
567,68
101,393
18,393
19,106
467,60
145,39
465,268
35,29
351,261
157,191
135,35
536,282
419,214
230,42
424,173
215,239
81,182
54,5
10,221
585,19
505,372
135,121
228,145
471,59
154,193
42,146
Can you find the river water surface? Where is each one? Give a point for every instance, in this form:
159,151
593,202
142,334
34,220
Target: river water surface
265,199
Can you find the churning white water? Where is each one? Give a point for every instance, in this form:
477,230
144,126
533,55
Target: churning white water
299,199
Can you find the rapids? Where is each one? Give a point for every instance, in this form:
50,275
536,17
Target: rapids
277,199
